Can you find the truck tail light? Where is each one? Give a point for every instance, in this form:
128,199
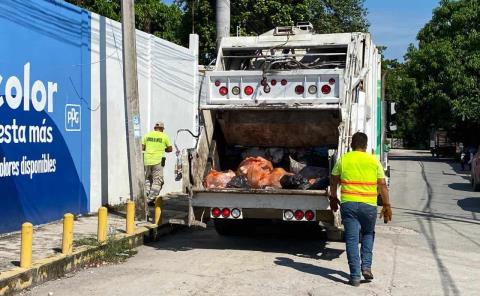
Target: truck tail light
236,90
331,81
217,83
248,90
288,215
312,89
236,213
299,214
326,89
216,212
225,213
299,89
273,82
283,82
223,91
309,215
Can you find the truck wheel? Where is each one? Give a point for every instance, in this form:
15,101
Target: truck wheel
226,227
335,235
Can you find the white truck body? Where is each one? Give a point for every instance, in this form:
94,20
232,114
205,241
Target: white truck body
287,88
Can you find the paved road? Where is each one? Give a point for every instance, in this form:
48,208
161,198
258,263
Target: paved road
432,248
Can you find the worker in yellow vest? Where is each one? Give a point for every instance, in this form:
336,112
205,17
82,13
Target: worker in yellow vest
361,177
155,144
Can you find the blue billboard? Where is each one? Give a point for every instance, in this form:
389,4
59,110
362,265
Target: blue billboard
45,110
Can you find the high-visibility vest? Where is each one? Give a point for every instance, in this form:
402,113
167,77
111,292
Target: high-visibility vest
359,173
155,144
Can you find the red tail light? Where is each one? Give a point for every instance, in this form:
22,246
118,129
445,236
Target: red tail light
216,212
326,89
223,91
299,214
248,90
273,82
331,81
217,82
283,82
299,89
225,213
309,215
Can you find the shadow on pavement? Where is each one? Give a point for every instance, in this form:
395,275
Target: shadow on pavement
471,204
313,269
279,239
460,186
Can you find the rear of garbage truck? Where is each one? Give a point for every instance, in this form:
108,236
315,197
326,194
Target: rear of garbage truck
290,98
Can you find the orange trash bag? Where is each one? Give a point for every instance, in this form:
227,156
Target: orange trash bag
272,179
216,179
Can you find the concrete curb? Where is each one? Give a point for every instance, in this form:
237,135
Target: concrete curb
18,279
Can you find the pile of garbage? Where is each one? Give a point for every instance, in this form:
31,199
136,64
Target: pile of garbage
259,173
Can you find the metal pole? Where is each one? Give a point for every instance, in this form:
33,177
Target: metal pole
130,83
223,20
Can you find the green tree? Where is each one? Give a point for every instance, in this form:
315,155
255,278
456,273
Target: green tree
255,17
445,71
438,85
151,16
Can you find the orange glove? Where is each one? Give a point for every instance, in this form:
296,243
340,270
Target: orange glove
333,203
386,213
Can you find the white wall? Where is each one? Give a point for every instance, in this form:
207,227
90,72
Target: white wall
167,76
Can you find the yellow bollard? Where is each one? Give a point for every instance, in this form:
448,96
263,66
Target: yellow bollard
67,243
130,217
26,245
102,224
158,211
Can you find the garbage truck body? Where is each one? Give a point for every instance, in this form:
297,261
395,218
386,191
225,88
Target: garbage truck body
289,96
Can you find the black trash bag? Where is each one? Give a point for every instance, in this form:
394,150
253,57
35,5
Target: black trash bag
313,172
320,184
294,182
239,182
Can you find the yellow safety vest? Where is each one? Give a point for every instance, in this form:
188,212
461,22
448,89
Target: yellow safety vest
359,172
155,144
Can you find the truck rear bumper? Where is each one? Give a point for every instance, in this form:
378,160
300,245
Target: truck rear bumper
261,199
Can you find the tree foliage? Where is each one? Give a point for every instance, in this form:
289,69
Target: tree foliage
254,17
439,86
151,16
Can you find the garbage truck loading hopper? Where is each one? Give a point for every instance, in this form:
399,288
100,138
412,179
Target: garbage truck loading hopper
232,130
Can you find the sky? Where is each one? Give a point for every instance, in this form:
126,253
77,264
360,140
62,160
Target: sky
395,23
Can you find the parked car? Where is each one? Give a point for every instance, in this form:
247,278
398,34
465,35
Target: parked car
475,173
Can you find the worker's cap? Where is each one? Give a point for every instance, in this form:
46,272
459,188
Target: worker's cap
159,124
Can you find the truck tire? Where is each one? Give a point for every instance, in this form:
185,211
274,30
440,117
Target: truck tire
335,235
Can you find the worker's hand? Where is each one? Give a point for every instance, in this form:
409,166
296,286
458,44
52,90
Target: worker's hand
333,203
386,213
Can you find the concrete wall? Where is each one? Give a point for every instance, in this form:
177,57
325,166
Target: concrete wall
167,88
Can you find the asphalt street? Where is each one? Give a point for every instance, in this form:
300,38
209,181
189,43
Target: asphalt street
431,248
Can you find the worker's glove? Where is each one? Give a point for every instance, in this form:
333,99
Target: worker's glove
333,203
386,213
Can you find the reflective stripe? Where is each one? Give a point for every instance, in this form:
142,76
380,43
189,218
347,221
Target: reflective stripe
358,183
359,193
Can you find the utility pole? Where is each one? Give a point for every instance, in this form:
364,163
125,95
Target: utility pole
130,83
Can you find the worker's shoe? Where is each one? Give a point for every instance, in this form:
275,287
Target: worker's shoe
354,282
367,274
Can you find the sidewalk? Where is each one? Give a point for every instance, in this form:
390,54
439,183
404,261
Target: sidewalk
47,238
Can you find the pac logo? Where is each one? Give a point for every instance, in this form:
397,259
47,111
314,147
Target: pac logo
73,118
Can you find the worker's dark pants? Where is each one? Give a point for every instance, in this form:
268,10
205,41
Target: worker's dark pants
359,217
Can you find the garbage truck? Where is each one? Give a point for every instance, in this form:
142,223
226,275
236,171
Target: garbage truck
291,91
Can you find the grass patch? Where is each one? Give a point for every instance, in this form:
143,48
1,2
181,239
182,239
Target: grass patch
113,250
117,251
85,241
